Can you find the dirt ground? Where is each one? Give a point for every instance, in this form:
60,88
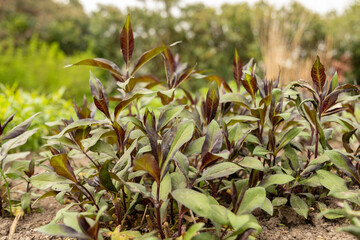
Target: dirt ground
285,224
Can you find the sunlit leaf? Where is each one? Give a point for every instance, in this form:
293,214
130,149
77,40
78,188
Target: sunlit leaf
148,163
102,63
61,166
299,205
318,75
127,41
147,56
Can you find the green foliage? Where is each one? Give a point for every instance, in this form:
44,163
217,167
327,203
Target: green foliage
39,66
12,165
212,159
51,106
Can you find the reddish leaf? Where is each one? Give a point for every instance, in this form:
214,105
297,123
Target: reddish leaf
219,82
250,85
143,79
212,102
62,167
185,76
104,64
127,41
100,97
83,224
346,140
9,119
318,75
208,159
147,56
148,163
237,69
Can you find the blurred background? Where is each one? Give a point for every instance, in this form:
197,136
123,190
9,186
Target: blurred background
38,38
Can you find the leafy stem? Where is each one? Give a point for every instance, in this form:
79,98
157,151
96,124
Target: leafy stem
89,195
8,190
158,214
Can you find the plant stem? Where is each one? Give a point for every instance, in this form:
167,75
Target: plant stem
158,214
90,196
180,219
316,142
92,160
8,190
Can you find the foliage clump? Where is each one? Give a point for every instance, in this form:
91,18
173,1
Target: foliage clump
198,166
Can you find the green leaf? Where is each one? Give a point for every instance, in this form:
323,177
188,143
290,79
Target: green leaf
331,181
76,125
15,142
323,207
268,207
279,201
103,147
276,179
137,188
105,178
253,198
165,188
19,129
127,41
213,139
183,134
148,163
343,163
240,118
235,98
182,162
147,56
62,167
45,180
61,230
191,232
193,200
318,75
299,205
290,135
251,162
238,221
25,201
219,170
168,115
135,94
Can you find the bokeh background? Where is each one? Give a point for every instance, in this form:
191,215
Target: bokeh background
38,38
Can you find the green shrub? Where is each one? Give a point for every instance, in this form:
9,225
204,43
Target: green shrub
50,106
40,66
202,163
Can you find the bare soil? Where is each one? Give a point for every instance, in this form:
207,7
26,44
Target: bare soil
25,228
284,224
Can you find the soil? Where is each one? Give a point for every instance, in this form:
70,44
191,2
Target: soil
284,224
25,228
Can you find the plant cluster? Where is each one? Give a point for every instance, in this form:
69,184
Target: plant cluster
198,166
26,103
12,165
